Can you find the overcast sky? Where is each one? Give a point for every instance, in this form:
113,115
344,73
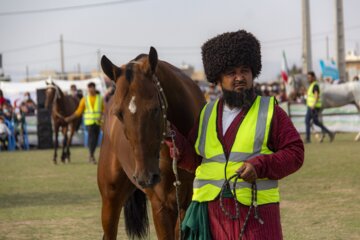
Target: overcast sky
176,28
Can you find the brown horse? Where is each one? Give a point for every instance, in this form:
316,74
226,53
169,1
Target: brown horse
134,163
62,106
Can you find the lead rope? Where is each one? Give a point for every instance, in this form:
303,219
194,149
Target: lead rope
172,134
253,204
177,182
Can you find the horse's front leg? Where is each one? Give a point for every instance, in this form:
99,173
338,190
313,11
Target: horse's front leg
68,144
164,216
164,200
63,154
357,138
56,128
115,188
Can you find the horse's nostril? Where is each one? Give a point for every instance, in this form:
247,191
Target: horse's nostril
152,180
155,179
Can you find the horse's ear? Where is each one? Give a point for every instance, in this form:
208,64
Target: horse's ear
153,59
111,70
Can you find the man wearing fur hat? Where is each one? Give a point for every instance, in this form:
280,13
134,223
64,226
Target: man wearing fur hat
239,149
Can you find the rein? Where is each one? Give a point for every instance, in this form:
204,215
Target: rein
171,133
226,185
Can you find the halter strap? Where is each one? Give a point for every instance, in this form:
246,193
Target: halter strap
163,103
162,99
57,96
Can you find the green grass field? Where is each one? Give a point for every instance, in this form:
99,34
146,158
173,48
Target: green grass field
39,200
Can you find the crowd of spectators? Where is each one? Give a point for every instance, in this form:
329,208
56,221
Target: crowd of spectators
211,91
12,119
13,116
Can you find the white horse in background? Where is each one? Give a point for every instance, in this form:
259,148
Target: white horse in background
332,95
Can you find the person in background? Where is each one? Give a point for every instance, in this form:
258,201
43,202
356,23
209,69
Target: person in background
28,105
109,93
240,135
74,92
2,99
19,127
7,111
92,108
313,102
4,133
212,93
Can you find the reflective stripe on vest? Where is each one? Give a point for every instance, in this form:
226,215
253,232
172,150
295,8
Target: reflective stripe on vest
250,141
92,116
310,100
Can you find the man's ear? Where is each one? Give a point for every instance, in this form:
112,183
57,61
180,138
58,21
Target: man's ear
111,70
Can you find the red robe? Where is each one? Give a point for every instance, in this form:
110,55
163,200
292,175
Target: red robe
288,157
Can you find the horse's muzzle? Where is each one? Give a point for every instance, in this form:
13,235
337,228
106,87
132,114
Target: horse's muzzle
147,182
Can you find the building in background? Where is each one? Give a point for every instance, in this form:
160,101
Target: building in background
352,61
71,76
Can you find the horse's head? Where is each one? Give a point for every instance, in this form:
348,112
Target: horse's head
140,106
50,94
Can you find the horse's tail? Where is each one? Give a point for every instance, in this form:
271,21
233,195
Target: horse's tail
136,217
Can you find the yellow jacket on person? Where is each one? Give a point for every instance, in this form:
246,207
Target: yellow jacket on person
310,101
251,140
92,107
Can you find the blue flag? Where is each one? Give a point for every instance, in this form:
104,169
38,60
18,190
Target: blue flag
329,69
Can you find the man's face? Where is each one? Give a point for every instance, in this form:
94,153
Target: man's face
237,79
310,78
237,86
91,90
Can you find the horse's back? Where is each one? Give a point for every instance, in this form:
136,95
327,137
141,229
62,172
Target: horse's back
337,95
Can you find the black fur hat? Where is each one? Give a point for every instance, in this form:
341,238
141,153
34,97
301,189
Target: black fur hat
231,49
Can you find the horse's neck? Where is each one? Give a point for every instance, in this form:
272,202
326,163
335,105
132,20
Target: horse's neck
180,105
59,100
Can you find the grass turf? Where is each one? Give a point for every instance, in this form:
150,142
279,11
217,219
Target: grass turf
39,200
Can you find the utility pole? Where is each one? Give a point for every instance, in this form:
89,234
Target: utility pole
1,66
79,71
340,40
306,38
98,61
62,57
27,73
327,48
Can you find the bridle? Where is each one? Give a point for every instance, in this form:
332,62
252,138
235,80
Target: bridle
56,97
171,133
167,132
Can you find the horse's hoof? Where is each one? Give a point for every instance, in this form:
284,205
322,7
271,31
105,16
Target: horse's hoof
55,162
357,138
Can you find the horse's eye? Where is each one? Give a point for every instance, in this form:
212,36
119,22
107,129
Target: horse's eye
155,112
120,115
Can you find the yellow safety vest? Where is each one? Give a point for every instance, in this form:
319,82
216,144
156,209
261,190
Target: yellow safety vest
310,101
93,115
251,140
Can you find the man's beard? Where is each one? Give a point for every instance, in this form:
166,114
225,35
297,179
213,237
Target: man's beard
238,99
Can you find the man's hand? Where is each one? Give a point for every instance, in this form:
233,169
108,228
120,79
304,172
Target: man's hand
68,119
173,150
247,172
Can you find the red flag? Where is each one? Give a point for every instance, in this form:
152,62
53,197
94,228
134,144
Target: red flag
284,69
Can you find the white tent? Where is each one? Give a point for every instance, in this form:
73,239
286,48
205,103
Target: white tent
15,90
